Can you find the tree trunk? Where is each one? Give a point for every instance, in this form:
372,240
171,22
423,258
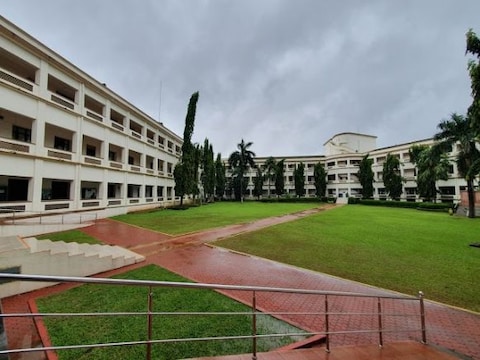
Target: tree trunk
471,199
241,189
181,201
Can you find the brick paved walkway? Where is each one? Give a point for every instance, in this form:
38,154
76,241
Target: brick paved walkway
189,256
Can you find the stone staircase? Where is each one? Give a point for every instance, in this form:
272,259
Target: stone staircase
46,257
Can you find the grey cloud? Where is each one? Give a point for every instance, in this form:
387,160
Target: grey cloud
286,75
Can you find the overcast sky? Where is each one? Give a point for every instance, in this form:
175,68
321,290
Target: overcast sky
284,74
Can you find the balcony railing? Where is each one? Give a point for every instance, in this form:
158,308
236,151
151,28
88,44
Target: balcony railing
4,75
93,115
327,302
61,101
14,146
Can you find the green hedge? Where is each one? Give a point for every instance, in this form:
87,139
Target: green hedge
403,204
293,200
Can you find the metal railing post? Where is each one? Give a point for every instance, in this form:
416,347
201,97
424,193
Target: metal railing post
149,323
254,325
380,324
327,330
422,317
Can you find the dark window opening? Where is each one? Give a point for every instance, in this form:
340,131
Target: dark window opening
59,190
89,193
21,134
61,144
91,150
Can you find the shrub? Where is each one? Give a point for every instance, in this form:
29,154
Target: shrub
403,204
291,200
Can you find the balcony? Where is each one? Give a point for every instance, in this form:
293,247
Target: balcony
61,93
14,80
16,71
94,109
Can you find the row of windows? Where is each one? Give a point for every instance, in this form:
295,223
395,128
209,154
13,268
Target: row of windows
16,189
60,143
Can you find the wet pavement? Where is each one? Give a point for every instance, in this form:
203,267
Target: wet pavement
192,257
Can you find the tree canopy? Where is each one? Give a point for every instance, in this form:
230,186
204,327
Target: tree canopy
365,176
457,131
270,165
432,165
392,178
220,177
208,170
279,178
240,160
185,171
258,183
473,48
299,179
320,179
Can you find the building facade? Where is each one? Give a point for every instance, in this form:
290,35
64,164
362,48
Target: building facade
68,143
343,153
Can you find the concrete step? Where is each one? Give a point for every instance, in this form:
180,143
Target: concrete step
46,257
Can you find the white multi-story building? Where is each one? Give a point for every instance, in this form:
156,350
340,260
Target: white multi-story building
67,142
343,153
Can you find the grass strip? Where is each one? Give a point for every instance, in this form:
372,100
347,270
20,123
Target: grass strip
70,236
209,216
97,298
399,249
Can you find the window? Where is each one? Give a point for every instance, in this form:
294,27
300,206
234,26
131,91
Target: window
112,156
91,150
88,193
131,160
133,191
21,134
148,191
61,144
55,190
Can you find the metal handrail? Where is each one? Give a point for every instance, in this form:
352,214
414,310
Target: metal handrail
254,311
41,216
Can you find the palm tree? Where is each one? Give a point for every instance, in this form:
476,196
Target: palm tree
270,166
240,160
432,165
458,130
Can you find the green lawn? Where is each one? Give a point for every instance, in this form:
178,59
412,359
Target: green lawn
399,249
96,298
218,214
70,236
